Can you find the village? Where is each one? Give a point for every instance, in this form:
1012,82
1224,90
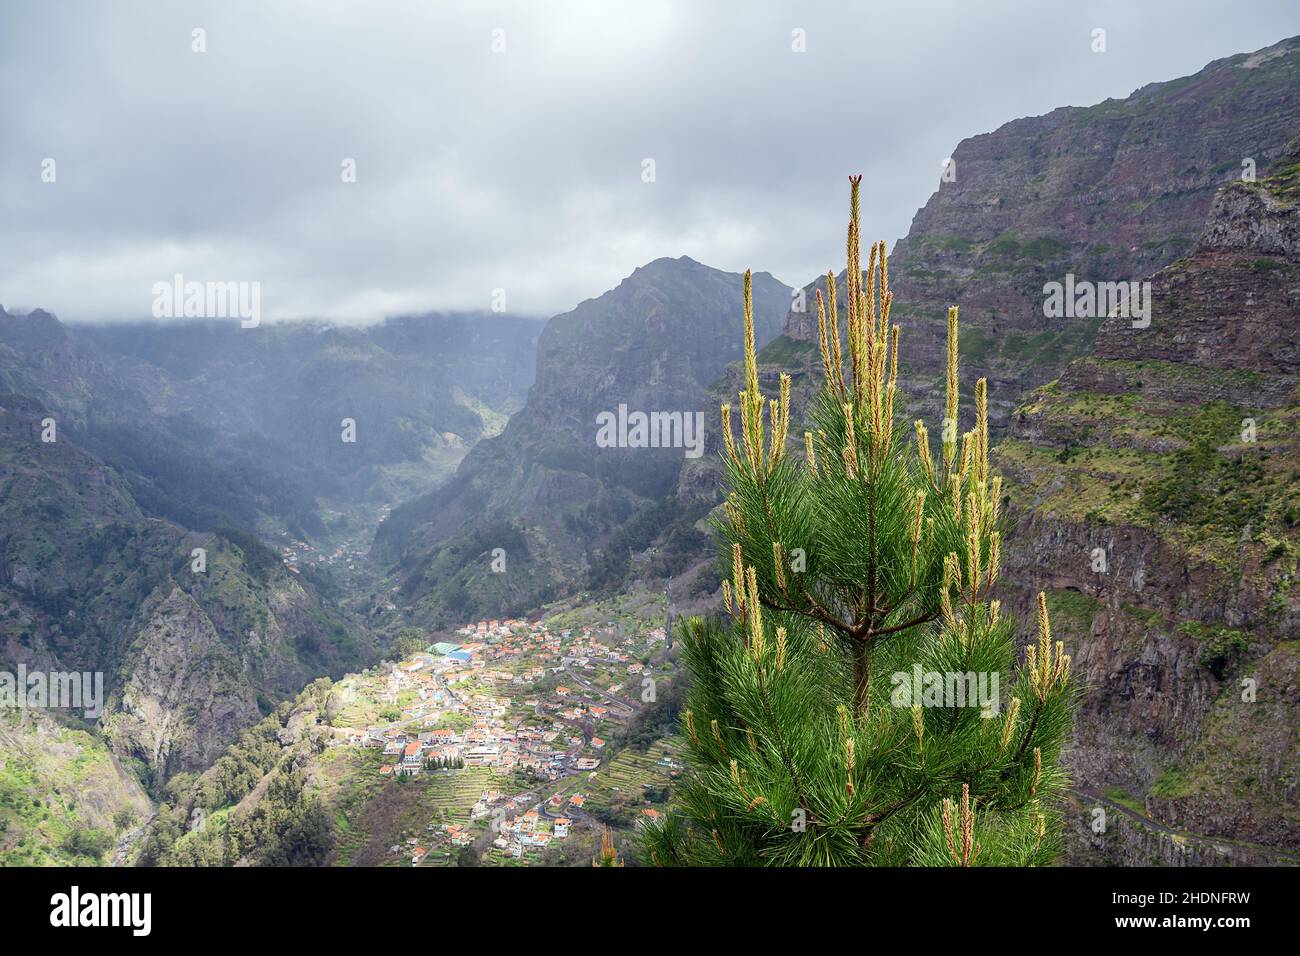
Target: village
343,550
527,708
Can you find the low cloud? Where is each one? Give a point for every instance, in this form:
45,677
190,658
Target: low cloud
520,170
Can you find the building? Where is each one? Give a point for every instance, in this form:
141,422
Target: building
412,759
482,755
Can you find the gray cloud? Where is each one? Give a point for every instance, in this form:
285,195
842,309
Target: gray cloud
519,170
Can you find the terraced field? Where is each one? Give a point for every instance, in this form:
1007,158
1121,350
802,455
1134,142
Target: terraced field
622,783
370,814
449,797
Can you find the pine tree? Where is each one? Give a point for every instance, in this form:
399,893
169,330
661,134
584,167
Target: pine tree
860,574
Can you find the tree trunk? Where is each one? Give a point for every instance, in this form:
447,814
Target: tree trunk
862,675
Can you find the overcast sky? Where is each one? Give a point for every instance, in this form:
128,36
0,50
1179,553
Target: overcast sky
519,170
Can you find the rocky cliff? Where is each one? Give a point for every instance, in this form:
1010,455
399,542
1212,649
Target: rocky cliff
1107,193
565,508
1110,192
1155,486
1137,448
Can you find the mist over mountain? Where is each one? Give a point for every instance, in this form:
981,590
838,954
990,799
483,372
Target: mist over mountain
567,513
128,446
212,423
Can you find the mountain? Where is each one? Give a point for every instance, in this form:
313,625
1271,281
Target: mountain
190,656
567,512
1109,193
1154,499
172,437
1106,193
1136,448
1151,470
213,424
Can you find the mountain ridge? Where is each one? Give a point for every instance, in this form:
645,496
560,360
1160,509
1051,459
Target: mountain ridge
1155,477
652,343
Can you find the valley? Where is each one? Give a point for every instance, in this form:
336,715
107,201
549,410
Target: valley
452,642
511,743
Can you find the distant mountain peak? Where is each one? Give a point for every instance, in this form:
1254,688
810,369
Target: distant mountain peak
684,265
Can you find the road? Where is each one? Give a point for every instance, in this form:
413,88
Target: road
622,707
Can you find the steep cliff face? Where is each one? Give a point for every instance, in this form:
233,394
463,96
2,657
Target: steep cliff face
1110,192
208,654
1137,449
548,490
89,583
1155,488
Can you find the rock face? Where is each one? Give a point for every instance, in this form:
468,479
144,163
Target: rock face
1155,487
545,491
1110,192
1103,832
179,699
1246,219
